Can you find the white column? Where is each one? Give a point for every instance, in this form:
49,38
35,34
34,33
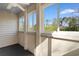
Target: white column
58,16
42,19
33,22
49,46
39,21
38,24
38,29
18,27
25,30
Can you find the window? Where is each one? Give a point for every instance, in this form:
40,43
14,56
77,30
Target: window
21,23
69,17
32,22
50,18
63,16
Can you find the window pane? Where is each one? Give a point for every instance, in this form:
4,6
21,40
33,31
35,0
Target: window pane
21,23
50,18
69,15
32,22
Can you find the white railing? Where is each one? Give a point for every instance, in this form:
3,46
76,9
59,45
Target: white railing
68,36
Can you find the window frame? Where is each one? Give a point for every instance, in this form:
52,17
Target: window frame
31,13
19,23
56,16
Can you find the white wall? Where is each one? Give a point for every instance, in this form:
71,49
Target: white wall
8,29
42,48
21,38
29,42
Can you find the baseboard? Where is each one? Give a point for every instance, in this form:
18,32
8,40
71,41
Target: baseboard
30,52
7,45
26,49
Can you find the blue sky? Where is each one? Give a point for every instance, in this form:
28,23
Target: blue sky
66,6
51,11
32,17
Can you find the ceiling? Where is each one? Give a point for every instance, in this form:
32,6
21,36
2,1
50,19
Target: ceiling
15,10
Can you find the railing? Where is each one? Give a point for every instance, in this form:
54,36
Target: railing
50,37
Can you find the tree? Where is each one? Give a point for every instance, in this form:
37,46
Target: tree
71,21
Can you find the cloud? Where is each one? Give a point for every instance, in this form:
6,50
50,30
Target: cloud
67,11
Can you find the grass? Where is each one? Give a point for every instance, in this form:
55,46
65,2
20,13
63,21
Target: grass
50,28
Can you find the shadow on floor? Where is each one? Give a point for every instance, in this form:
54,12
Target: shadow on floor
73,53
14,50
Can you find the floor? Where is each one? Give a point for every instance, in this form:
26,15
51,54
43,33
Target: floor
14,50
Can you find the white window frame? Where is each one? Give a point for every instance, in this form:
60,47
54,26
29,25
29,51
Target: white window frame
32,21
19,24
58,13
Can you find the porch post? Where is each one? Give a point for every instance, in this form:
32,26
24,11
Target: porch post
18,27
25,30
42,19
39,21
49,46
38,28
38,24
58,16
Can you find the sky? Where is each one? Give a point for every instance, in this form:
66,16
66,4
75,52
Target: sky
50,12
32,18
66,9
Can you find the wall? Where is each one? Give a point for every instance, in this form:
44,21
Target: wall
8,29
29,42
42,48
21,39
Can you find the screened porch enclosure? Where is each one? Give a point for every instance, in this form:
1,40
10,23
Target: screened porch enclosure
43,29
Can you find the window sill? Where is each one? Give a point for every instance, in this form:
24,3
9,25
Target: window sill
27,32
21,31
31,33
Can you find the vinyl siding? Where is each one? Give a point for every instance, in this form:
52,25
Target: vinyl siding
8,29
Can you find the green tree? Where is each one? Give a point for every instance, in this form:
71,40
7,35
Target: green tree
71,22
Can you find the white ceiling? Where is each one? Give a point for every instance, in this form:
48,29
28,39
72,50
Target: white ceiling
15,10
